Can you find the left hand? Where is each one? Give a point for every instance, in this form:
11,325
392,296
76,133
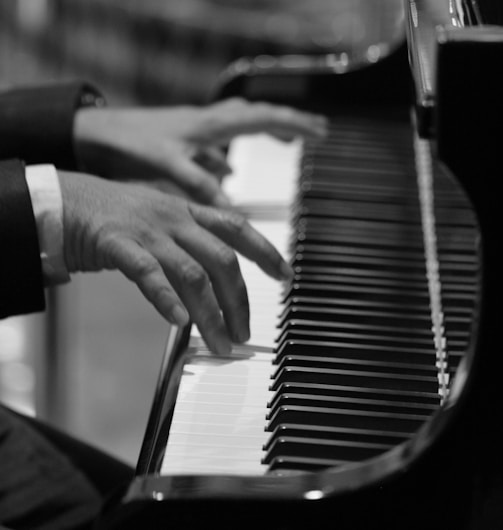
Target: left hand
181,145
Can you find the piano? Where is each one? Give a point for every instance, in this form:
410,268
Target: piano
368,396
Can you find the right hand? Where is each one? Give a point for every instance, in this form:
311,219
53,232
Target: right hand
180,254
179,148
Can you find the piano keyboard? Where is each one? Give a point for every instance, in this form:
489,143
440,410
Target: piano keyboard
352,357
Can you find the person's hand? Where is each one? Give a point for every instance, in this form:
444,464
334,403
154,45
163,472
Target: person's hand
179,253
181,145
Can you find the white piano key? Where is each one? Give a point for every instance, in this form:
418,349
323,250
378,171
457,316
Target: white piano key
263,170
210,428
218,426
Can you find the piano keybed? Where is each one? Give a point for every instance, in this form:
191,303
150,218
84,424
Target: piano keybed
352,357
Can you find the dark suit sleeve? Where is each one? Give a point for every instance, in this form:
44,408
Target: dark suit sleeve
36,123
21,281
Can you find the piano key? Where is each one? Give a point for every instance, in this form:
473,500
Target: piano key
337,433
367,378
346,418
359,313
291,463
388,333
341,363
319,345
303,399
356,392
236,405
367,293
368,262
286,446
274,170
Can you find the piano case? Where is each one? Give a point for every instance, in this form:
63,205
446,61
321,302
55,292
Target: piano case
448,471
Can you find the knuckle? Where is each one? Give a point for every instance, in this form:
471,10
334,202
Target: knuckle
226,258
285,113
194,277
236,223
162,296
145,265
235,102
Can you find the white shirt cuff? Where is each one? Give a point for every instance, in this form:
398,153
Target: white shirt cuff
47,202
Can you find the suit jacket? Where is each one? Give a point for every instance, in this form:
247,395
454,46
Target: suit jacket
40,487
35,127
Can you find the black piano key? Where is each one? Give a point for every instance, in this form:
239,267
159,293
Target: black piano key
458,301
346,278
364,228
292,299
351,314
366,378
458,323
412,279
286,446
337,362
282,463
334,209
359,250
360,338
396,296
333,188
349,403
374,334
318,343
388,438
357,392
331,417
365,262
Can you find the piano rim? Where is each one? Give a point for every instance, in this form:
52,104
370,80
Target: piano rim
375,472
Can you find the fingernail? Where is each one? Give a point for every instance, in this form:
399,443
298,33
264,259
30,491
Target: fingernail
241,336
223,346
179,316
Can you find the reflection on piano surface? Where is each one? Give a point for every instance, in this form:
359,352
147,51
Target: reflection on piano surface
367,394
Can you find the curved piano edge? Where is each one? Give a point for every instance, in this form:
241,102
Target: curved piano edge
408,487
377,473
296,79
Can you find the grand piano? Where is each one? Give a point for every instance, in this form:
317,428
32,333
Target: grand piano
368,396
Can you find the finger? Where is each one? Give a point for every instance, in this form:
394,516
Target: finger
233,228
160,184
192,283
213,160
237,116
198,183
222,265
142,268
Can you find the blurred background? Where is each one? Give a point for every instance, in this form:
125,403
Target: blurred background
90,363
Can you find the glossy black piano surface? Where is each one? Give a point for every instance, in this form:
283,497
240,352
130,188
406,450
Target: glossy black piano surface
373,425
